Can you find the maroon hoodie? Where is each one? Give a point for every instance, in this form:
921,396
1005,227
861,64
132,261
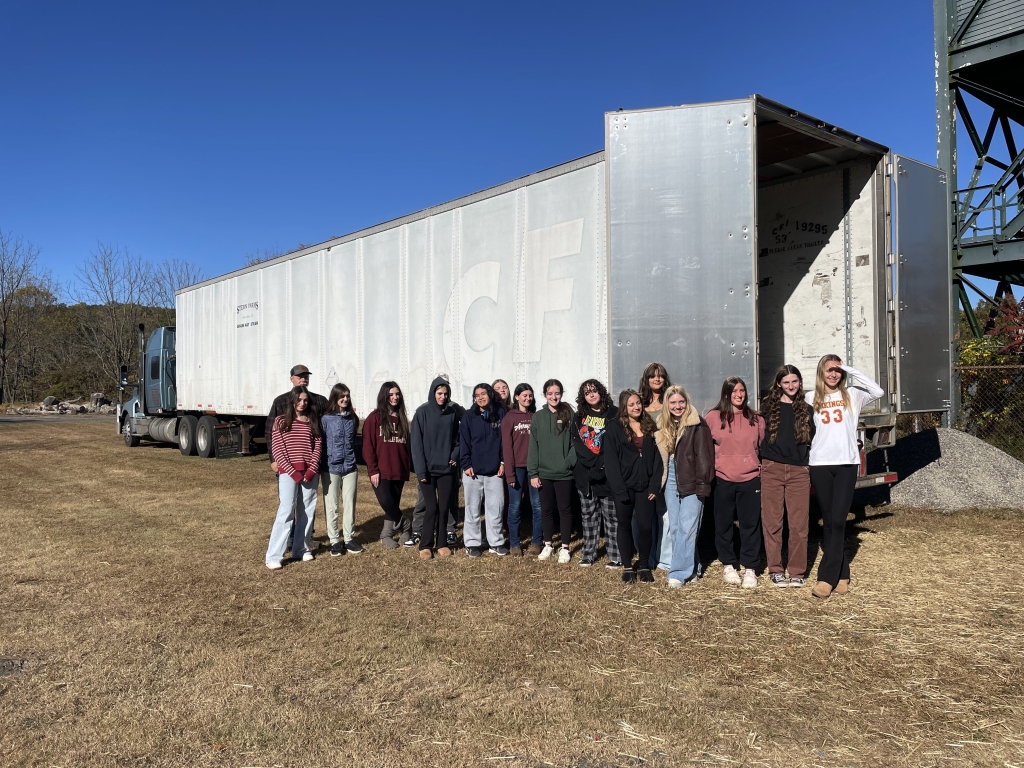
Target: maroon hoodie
515,441
390,459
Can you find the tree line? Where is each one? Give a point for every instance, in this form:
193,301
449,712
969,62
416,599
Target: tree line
69,340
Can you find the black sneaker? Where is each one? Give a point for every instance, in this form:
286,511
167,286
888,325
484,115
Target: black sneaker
338,549
586,562
473,551
412,541
613,564
645,575
629,576
352,547
500,551
453,540
779,580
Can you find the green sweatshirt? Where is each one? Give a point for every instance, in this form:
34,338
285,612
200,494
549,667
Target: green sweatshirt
551,455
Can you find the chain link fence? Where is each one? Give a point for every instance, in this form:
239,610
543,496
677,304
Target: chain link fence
992,405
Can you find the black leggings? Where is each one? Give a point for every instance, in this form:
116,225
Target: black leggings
834,484
556,494
643,508
389,496
437,493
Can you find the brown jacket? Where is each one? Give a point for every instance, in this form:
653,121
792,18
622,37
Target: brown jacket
694,455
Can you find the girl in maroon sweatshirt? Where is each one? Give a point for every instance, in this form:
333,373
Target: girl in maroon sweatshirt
388,460
295,441
737,432
515,446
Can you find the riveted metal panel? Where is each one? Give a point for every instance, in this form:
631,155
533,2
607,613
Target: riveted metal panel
682,232
921,215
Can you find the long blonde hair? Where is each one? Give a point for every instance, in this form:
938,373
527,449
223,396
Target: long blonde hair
819,383
670,429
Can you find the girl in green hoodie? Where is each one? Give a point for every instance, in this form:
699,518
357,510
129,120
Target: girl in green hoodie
549,464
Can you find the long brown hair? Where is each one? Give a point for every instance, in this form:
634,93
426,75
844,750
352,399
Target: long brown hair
727,411
507,402
334,398
582,406
388,431
647,425
646,393
288,417
819,383
564,410
771,408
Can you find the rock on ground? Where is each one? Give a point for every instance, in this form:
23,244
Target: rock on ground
949,470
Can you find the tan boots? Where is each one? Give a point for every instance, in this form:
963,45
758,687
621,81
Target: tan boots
823,589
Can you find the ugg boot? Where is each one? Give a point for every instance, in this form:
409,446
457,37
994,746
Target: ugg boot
842,587
425,554
387,535
822,590
444,552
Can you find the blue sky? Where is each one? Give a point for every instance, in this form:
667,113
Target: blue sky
205,131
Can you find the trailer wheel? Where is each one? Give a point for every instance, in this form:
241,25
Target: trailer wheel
187,435
205,436
130,440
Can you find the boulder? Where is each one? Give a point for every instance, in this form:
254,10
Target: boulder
51,400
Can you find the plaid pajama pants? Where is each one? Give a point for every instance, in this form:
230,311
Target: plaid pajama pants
594,511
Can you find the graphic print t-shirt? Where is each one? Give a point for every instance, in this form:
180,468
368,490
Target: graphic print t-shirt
592,431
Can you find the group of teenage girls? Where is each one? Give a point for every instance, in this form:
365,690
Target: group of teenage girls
642,467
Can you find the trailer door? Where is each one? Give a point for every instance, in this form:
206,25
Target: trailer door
681,198
922,285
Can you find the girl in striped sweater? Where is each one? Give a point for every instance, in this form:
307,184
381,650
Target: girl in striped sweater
295,441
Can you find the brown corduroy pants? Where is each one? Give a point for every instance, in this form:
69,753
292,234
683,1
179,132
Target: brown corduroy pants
785,488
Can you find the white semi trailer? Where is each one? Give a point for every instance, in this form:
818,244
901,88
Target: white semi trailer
719,239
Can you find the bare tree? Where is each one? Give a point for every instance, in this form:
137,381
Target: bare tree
170,276
122,286
17,268
259,256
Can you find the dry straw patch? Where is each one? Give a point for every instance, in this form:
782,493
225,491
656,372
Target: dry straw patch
134,586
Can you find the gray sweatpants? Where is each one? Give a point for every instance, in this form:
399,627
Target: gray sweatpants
485,497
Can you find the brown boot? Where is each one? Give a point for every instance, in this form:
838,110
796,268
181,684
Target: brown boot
535,549
444,552
516,551
842,587
822,590
426,554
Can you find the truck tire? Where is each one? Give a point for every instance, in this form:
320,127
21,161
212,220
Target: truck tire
187,435
130,440
205,436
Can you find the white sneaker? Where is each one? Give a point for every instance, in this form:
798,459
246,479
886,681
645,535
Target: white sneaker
675,584
564,556
749,579
308,557
545,553
731,575
274,566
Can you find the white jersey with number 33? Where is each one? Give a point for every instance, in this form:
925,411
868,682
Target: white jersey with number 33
835,438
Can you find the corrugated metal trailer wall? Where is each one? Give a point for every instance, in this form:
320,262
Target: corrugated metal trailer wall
507,283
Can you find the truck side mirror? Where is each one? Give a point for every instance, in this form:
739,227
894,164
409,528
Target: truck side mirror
122,381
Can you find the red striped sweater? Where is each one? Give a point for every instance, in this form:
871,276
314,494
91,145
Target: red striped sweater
296,450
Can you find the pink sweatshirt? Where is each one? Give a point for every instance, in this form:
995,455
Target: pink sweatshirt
736,447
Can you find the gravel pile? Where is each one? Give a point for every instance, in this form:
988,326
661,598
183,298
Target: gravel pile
950,470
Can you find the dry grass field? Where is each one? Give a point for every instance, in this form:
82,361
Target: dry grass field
134,589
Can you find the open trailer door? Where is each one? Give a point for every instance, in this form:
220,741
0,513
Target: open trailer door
922,286
682,232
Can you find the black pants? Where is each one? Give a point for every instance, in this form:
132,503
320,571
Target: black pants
644,509
556,494
389,496
437,493
740,501
834,484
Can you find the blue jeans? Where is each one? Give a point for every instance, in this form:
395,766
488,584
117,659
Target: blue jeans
515,499
289,493
684,524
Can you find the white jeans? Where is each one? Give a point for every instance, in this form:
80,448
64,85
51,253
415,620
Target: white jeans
343,486
289,492
484,494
